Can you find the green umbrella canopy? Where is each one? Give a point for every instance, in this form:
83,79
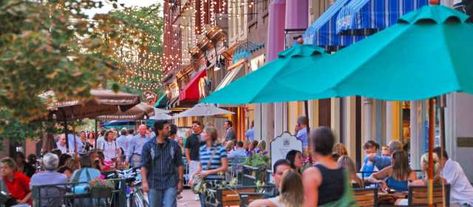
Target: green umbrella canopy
429,52
260,86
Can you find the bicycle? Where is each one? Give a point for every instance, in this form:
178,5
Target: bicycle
134,195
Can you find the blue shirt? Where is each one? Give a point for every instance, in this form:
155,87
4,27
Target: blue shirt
211,158
250,134
379,162
238,153
162,162
135,145
122,141
48,178
302,135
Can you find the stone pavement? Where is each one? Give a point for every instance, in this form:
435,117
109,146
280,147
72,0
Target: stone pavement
187,199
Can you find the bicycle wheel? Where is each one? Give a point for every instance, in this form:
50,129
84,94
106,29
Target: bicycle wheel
140,200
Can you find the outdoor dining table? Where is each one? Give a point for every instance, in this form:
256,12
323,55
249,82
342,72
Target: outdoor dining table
391,198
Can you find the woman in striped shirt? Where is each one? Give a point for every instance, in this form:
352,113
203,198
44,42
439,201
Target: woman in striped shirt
213,160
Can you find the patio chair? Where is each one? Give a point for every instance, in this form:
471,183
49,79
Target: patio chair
418,196
366,197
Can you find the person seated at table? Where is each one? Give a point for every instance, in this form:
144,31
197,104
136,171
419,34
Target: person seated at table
239,152
348,164
397,176
339,150
50,195
252,148
261,148
297,161
86,173
229,145
17,183
424,164
324,183
461,191
373,161
66,171
291,193
279,168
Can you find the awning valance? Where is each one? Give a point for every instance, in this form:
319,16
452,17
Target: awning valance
162,102
192,92
322,32
364,17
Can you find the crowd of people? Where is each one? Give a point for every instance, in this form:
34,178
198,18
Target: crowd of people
299,180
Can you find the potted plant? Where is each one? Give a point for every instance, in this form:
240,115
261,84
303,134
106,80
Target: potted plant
100,188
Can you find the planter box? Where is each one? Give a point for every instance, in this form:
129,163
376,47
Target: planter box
101,192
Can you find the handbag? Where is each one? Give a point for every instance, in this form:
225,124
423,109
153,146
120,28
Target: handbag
197,180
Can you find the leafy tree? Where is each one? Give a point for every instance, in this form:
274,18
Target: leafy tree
49,46
140,50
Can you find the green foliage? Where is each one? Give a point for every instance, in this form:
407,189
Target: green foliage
48,46
53,46
257,160
141,49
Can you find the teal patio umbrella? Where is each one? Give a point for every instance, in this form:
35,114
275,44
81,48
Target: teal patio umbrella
426,54
262,85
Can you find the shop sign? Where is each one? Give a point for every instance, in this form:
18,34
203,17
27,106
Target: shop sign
150,97
282,144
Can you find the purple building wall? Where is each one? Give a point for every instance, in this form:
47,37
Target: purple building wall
297,14
277,16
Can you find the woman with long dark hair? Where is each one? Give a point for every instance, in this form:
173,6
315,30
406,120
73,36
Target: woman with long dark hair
295,158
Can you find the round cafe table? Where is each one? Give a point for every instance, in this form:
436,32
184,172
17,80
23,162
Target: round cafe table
390,198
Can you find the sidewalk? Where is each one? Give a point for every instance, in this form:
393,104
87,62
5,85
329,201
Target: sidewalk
187,199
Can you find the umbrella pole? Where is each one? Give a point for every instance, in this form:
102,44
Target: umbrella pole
96,134
442,102
306,111
430,185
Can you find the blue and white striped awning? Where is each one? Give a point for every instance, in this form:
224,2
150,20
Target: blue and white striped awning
322,32
373,15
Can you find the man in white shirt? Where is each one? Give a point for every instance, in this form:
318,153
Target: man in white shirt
461,191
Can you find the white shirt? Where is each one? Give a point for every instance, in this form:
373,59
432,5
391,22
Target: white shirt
109,150
100,141
461,190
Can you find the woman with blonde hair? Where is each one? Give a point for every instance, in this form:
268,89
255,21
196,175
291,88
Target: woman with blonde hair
424,164
291,193
347,163
213,160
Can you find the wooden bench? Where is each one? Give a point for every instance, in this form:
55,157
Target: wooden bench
366,197
418,196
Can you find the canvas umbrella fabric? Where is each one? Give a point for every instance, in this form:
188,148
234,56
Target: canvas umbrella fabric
426,54
261,86
161,114
203,110
138,112
101,102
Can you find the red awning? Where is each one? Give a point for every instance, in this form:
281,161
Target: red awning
191,92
